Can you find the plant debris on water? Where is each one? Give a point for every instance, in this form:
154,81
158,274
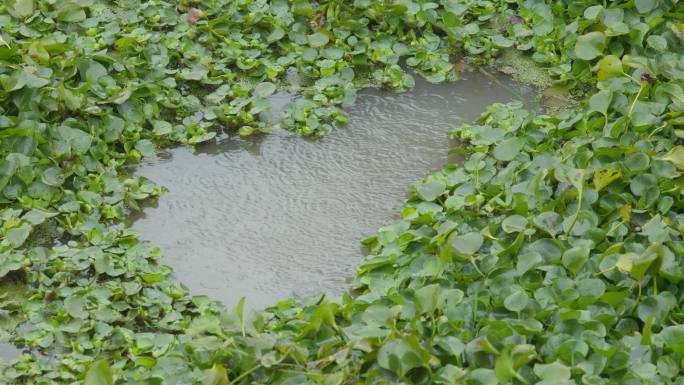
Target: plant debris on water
551,255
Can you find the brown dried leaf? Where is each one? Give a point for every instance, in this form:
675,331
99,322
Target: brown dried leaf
194,15
462,66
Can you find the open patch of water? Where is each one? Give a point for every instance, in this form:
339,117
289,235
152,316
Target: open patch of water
276,216
8,353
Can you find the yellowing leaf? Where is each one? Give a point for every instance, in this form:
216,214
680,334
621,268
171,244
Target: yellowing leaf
125,42
678,30
610,66
676,157
625,262
626,212
3,42
215,376
605,176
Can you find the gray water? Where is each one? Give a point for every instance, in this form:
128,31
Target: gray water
276,216
8,353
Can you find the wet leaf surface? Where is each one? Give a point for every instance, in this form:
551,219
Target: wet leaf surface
589,294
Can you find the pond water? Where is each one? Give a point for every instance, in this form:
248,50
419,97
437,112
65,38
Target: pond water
276,216
8,353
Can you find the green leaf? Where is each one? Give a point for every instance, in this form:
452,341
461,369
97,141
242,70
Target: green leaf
610,66
592,13
24,78
514,224
71,13
467,244
673,337
275,35
657,42
553,373
78,140
318,39
240,311
645,6
648,260
590,45
482,376
550,222
161,127
75,306
668,367
20,8
99,373
600,102
427,298
504,367
517,301
642,183
526,261
91,70
264,89
401,355
37,216
508,149
501,41
430,190
196,72
146,147
574,258
17,236
52,176
591,287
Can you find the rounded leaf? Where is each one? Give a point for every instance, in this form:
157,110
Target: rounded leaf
318,39
514,224
508,149
264,89
549,222
467,244
590,46
517,301
430,190
610,66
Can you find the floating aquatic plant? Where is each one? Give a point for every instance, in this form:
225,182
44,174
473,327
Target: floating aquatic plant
551,255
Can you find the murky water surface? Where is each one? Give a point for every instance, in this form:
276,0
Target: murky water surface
276,216
8,353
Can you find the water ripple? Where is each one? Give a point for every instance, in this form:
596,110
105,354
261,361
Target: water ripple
279,215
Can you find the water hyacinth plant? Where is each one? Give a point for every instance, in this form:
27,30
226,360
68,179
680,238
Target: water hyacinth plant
552,254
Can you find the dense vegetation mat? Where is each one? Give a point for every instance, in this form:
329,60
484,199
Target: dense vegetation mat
551,255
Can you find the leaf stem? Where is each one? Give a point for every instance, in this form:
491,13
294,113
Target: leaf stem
636,98
472,262
615,227
579,207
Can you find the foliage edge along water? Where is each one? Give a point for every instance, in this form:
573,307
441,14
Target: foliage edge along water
551,255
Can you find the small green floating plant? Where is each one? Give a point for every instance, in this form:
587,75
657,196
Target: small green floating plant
552,254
